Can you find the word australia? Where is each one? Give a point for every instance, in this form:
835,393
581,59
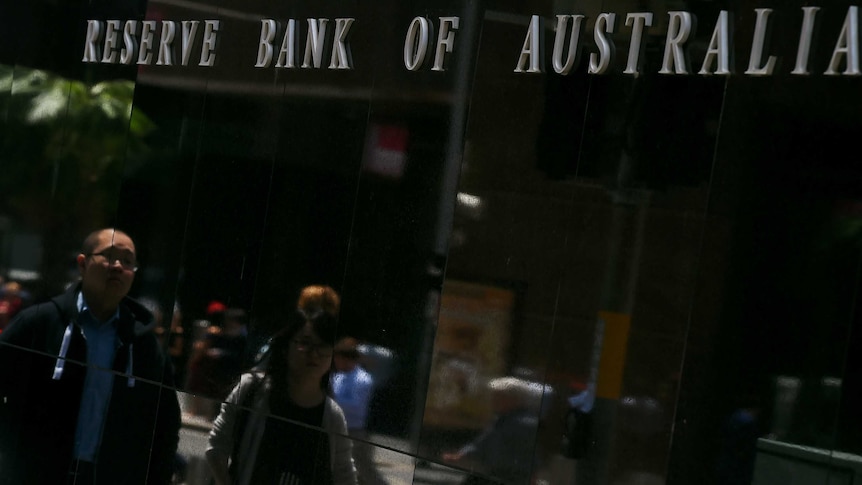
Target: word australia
717,61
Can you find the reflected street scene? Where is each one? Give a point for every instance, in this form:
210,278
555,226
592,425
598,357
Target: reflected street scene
449,242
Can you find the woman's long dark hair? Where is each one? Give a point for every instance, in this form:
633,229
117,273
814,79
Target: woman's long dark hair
323,324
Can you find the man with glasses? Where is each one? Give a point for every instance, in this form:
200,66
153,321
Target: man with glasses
86,393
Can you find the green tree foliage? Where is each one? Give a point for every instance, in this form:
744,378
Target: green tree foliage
65,145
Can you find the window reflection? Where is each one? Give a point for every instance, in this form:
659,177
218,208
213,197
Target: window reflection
66,143
505,449
716,218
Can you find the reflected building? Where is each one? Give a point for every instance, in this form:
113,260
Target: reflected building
650,206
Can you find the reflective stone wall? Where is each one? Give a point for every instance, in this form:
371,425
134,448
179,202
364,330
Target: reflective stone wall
576,243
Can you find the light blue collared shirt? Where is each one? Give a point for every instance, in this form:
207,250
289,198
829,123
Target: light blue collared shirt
102,344
352,391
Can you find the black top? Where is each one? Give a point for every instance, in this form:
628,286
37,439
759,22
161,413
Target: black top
294,450
39,415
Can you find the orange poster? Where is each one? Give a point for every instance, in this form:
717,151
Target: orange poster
472,339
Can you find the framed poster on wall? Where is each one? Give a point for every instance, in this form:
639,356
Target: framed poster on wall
472,344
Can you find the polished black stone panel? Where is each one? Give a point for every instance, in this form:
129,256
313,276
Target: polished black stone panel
660,237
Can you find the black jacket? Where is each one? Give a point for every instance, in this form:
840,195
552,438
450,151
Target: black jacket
39,414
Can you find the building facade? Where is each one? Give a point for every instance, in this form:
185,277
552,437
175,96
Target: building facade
649,212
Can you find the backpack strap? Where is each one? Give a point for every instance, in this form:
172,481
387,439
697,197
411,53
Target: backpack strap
245,403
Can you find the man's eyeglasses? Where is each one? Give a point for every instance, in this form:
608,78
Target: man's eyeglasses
320,350
126,259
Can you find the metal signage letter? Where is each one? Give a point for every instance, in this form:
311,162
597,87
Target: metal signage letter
166,44
445,40
208,46
130,42
341,57
719,47
637,21
268,29
847,45
532,49
600,62
190,28
314,41
754,67
559,41
144,54
109,54
416,43
91,44
678,30
805,35
287,53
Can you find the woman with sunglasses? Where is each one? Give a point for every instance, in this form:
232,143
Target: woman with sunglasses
280,426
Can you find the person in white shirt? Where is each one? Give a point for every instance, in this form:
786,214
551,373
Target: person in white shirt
352,389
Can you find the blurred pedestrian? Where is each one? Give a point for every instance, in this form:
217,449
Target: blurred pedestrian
319,298
11,302
505,450
352,388
280,425
217,359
